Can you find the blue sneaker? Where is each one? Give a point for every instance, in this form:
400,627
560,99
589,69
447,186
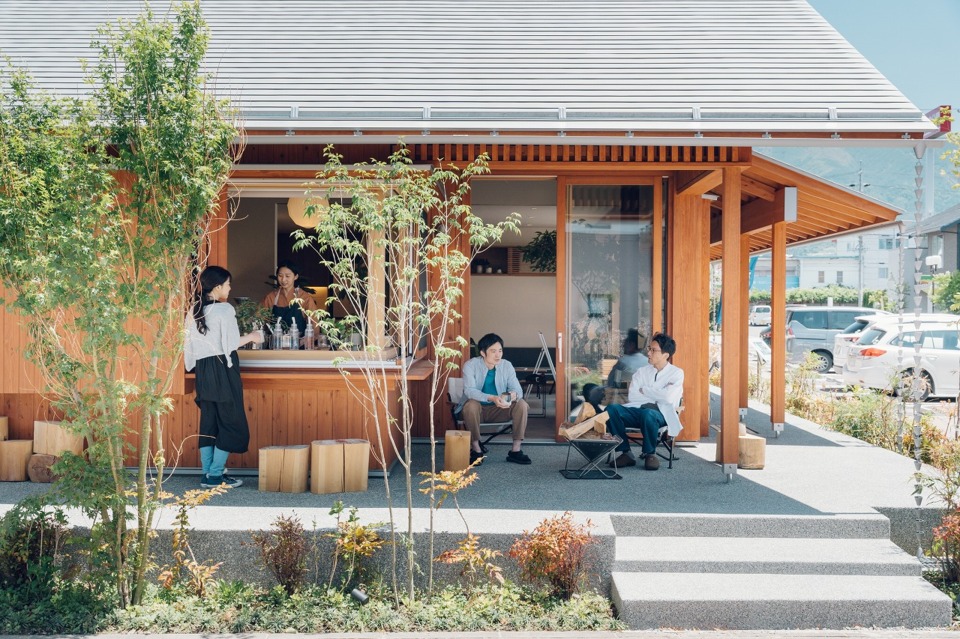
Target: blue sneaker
212,481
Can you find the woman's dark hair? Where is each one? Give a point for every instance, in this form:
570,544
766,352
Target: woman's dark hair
210,278
487,341
288,264
666,343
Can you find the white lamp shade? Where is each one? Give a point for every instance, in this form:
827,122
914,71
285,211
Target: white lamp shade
297,210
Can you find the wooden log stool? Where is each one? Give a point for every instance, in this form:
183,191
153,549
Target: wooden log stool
283,469
456,449
752,452
4,429
50,438
326,466
14,456
40,468
356,465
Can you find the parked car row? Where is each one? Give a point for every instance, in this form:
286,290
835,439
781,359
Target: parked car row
878,350
811,329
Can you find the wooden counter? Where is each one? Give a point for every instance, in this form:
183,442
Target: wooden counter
287,406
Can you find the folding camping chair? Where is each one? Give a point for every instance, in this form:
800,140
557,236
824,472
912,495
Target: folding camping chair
664,440
488,429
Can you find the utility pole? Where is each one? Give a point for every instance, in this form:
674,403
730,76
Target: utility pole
860,269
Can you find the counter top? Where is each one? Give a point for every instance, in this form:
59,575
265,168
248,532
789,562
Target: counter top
385,359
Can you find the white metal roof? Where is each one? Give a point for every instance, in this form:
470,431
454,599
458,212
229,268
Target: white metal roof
531,65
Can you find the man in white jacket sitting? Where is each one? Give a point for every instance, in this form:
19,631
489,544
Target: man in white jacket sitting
655,392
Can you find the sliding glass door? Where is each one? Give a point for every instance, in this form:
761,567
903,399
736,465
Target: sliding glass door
611,273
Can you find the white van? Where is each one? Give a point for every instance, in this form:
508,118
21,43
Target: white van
760,315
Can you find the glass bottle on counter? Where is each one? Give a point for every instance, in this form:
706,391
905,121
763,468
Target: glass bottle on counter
308,337
258,345
294,337
277,337
285,340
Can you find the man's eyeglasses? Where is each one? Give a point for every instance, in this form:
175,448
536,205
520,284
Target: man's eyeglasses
653,350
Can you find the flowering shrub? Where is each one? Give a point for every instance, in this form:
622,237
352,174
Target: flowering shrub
555,553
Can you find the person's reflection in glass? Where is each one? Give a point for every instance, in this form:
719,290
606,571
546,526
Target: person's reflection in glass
632,359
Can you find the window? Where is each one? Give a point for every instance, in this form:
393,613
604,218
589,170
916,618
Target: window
810,319
888,242
842,319
906,340
821,277
941,339
839,277
883,273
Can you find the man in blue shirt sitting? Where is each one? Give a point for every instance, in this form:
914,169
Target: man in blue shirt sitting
492,393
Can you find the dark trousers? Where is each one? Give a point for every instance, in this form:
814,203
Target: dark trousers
648,420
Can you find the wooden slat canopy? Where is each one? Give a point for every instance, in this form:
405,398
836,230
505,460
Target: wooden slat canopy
823,209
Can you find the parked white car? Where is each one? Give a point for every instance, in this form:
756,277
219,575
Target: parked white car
883,357
844,340
760,315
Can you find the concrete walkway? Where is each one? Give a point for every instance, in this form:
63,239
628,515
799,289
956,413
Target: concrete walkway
810,472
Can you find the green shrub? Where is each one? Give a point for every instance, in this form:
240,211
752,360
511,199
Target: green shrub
32,539
321,610
283,551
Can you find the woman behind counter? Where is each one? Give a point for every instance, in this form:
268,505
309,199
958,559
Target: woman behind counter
289,301
213,338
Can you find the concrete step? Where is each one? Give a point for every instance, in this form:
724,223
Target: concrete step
764,555
844,526
750,601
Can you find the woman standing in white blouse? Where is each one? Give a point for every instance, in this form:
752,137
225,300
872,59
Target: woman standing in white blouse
213,338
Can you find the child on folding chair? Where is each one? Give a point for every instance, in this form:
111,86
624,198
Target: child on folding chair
655,392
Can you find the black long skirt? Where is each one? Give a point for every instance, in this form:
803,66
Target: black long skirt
223,422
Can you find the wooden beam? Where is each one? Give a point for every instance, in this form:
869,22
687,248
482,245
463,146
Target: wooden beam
778,322
728,441
698,183
758,189
761,214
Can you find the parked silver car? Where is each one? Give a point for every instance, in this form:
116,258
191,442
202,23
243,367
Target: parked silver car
811,329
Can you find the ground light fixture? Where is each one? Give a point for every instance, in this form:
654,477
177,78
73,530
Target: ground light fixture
361,597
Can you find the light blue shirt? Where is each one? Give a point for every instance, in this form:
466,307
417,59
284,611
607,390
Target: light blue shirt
475,374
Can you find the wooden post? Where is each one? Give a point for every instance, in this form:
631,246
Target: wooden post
14,457
730,350
689,309
778,321
456,449
744,324
326,466
356,464
283,469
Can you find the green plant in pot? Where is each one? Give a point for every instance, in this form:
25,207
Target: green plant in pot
541,252
251,315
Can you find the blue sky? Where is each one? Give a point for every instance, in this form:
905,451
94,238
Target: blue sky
911,42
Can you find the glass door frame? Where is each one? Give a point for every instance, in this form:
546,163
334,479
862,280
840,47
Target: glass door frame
564,193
